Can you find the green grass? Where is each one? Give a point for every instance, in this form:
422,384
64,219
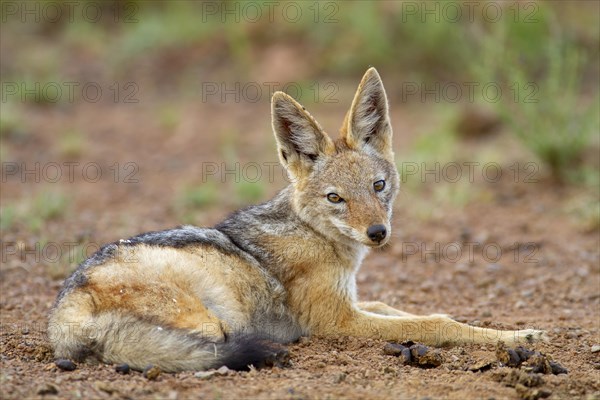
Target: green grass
540,69
12,122
36,211
249,192
201,196
169,119
70,258
182,42
559,128
45,206
50,205
40,90
585,210
193,200
71,144
439,145
198,197
8,216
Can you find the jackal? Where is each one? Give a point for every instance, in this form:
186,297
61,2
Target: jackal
194,298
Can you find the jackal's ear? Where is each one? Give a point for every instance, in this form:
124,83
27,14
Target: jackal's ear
300,139
367,123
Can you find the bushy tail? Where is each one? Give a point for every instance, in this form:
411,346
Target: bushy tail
115,338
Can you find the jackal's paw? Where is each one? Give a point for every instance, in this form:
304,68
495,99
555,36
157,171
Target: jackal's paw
530,336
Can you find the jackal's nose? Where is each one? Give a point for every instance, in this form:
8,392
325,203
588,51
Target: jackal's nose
376,232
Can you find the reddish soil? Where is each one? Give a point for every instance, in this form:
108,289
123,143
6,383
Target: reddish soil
554,284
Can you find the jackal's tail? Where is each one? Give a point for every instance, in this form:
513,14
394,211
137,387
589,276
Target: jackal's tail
115,338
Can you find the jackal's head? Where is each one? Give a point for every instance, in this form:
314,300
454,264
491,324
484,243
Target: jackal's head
343,188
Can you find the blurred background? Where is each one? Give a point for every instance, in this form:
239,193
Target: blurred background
118,117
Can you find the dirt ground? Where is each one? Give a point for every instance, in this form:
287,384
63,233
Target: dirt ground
547,277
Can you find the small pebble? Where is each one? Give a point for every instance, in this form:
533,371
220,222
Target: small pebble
304,340
123,369
205,374
223,370
151,372
526,393
104,387
46,388
494,267
278,358
388,370
173,395
572,335
520,304
65,365
481,365
518,376
596,348
339,378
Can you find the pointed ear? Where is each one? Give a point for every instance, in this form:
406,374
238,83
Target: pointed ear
300,139
367,124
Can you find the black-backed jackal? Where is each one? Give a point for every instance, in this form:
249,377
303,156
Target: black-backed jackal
196,298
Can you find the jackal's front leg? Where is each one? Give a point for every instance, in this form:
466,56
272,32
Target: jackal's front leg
432,329
380,308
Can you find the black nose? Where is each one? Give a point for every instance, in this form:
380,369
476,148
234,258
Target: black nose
376,233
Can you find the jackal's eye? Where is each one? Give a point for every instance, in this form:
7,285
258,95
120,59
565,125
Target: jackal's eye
379,186
334,198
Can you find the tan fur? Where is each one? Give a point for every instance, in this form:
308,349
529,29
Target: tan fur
284,280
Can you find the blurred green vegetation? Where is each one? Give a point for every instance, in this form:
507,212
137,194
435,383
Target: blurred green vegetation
68,261
34,212
552,110
8,216
45,206
71,144
11,123
415,39
543,55
169,119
